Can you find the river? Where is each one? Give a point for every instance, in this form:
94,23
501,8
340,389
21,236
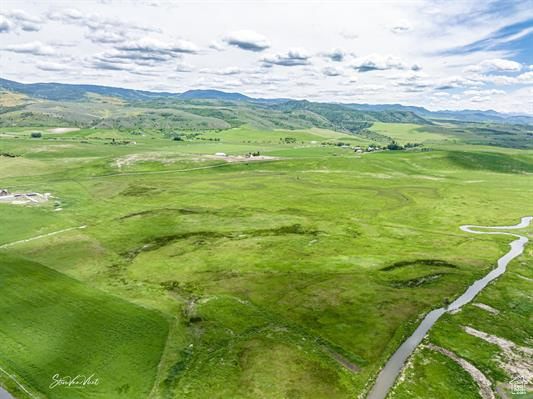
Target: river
5,395
394,365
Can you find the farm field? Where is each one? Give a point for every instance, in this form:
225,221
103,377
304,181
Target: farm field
294,276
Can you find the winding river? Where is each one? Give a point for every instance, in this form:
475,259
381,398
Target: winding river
394,365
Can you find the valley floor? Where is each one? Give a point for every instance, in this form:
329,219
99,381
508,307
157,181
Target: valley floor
293,276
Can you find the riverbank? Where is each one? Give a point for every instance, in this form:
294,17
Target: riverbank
393,367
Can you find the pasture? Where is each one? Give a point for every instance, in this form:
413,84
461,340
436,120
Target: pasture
295,277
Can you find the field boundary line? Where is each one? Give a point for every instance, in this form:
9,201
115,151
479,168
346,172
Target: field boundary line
18,383
152,172
9,244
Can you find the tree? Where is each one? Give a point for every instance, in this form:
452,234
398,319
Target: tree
36,135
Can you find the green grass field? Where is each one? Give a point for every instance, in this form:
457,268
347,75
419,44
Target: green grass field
198,278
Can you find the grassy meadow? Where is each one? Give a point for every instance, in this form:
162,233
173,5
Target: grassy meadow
293,277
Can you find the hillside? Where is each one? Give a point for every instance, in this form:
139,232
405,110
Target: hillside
395,112
85,106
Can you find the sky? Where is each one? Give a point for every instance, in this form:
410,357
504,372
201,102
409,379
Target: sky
437,54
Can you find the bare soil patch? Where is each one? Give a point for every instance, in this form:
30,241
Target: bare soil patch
480,379
63,130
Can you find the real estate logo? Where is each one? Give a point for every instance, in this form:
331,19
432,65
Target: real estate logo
518,385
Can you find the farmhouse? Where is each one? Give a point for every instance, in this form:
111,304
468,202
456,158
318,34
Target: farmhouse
23,198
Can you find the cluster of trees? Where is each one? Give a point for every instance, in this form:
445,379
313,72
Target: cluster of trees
9,155
394,146
287,140
121,142
186,136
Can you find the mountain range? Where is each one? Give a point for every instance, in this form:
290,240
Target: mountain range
78,92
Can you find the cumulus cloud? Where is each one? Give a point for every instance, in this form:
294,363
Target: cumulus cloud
125,61
149,47
100,29
456,82
378,62
138,55
24,21
293,57
6,25
53,67
107,36
16,20
184,67
496,65
523,78
247,40
336,55
227,71
67,15
34,48
332,71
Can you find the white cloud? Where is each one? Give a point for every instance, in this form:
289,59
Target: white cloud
6,25
332,71
491,92
139,40
247,40
496,65
67,15
19,20
379,62
156,47
26,22
456,82
34,48
216,45
293,57
53,66
523,78
402,26
106,36
184,67
336,55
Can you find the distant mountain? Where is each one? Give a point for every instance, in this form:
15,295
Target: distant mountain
462,115
346,116
383,112
70,92
212,95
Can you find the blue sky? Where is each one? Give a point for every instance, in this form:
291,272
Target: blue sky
437,54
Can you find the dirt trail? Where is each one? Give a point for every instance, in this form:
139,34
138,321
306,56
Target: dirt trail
9,244
5,394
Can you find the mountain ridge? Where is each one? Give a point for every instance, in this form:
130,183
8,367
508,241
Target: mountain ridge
72,92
